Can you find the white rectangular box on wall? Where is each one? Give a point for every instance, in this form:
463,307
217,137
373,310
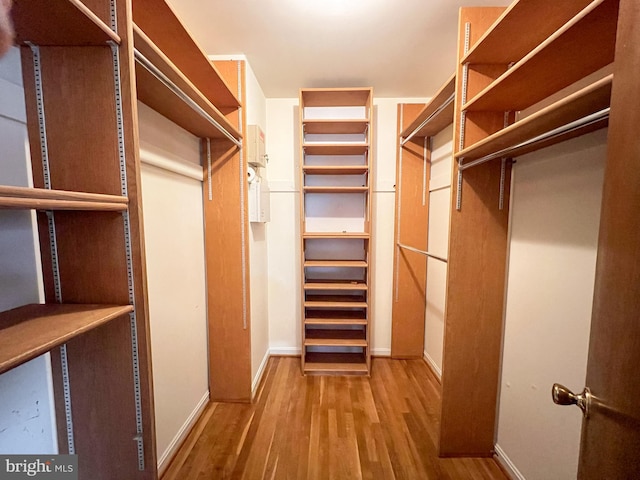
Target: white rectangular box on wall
256,155
259,209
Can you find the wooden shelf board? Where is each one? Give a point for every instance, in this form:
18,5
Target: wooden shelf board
334,304
336,321
590,99
353,235
335,169
439,121
526,23
314,189
336,263
335,149
59,22
159,22
318,285
32,330
334,342
336,363
335,97
580,47
153,93
337,126
43,199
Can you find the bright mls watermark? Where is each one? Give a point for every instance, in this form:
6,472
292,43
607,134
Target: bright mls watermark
50,467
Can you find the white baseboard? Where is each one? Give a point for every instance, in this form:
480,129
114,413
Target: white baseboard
259,373
169,453
427,358
508,465
381,352
285,351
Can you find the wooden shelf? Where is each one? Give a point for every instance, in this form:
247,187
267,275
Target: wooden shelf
158,21
335,149
335,338
337,126
526,23
335,189
155,94
335,301
335,317
439,119
336,97
354,235
334,285
340,363
59,22
42,199
589,100
335,169
336,263
32,330
579,48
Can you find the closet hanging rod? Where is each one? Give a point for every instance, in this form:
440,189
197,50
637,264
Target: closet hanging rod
444,105
155,71
556,132
422,252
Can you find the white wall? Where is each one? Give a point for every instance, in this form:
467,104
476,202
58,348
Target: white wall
283,234
174,239
27,419
284,230
553,240
438,244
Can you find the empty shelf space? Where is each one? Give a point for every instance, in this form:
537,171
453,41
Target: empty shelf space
436,114
335,126
335,169
335,317
335,149
200,118
340,363
59,22
526,24
32,330
336,263
353,235
334,285
43,199
580,47
159,23
315,189
586,101
335,338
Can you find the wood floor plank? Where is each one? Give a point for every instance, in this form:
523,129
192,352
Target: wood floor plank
383,427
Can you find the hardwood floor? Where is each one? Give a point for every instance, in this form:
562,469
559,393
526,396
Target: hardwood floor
321,428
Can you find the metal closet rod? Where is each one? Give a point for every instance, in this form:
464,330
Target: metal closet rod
556,132
430,255
153,70
445,104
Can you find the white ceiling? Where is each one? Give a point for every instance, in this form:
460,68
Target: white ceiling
403,48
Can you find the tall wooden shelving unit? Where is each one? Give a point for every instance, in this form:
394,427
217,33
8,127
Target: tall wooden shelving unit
508,60
336,165
84,66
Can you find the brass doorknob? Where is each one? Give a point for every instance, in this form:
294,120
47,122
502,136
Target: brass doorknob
563,396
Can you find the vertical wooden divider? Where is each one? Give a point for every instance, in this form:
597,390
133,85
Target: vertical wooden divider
411,228
476,274
227,254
